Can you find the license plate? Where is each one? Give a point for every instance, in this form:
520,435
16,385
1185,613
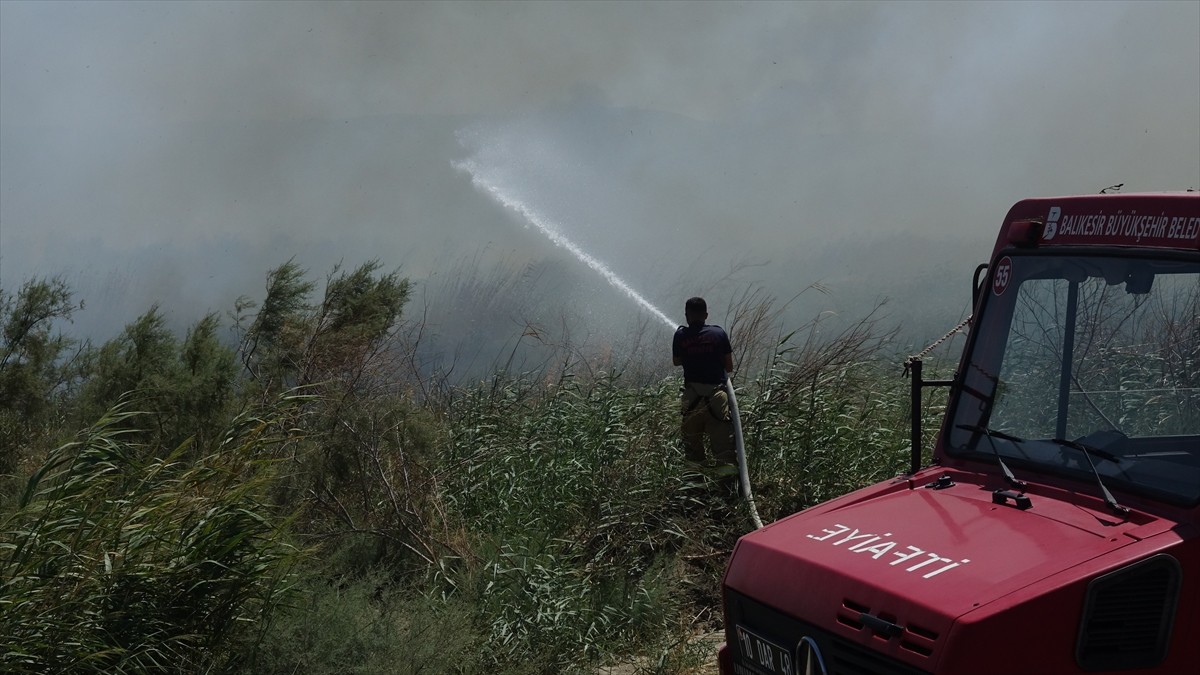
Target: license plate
765,655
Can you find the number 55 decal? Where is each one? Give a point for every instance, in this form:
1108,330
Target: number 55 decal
1002,276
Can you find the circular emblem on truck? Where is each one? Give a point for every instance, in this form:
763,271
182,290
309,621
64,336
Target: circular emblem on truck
809,660
1002,275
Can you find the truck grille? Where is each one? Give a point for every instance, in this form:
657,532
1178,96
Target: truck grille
1128,616
913,638
842,656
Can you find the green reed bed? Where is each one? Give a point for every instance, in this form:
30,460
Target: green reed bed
118,561
576,506
535,523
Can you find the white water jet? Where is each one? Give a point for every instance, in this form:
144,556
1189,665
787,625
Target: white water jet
547,228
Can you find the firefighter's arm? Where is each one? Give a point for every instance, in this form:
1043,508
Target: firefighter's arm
729,363
676,360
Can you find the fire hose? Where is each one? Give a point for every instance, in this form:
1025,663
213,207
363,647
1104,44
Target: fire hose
743,472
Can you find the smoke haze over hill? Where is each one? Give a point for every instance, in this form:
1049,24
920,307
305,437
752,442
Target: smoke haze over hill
174,152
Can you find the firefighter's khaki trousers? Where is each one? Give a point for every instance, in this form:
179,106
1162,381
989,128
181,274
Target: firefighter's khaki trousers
705,409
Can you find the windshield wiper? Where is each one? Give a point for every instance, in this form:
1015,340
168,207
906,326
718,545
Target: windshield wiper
1088,451
990,434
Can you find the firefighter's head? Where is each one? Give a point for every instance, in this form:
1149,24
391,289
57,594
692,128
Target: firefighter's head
695,310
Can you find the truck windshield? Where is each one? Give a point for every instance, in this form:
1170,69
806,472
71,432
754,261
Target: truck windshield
1103,351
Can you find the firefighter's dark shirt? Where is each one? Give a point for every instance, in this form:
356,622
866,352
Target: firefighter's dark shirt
702,350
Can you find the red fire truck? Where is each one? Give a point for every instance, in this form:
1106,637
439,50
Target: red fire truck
1057,527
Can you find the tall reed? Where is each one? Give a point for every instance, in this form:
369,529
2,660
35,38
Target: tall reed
114,563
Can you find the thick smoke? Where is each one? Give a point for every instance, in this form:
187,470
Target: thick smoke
174,152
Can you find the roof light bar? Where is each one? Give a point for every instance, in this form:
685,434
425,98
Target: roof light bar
1025,233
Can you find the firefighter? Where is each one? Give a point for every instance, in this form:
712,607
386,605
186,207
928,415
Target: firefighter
705,353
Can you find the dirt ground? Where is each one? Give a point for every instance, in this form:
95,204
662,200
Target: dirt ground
708,643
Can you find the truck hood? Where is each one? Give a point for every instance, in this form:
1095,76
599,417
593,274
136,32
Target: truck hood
921,557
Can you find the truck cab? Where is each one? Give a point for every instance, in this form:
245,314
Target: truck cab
1056,528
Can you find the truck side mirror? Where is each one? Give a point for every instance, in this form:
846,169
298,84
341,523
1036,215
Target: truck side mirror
977,282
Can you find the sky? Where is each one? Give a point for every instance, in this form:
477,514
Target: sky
173,153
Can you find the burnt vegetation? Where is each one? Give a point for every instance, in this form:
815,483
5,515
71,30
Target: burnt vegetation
295,490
